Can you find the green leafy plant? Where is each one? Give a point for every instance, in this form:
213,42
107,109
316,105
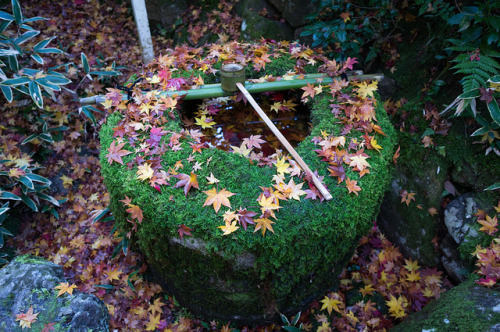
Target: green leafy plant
292,325
17,55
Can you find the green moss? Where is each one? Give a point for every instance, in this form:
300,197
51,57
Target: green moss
455,310
30,259
311,243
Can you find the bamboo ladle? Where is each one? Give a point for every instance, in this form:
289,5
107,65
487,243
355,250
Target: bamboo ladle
232,76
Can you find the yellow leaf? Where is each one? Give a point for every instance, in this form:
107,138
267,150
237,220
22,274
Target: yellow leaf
67,181
153,323
365,90
64,287
26,319
374,145
330,303
264,224
204,122
144,172
229,227
218,198
282,166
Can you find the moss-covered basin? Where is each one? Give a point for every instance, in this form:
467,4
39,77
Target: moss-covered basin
245,276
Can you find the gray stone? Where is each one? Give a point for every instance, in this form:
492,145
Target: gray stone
453,264
408,227
294,11
466,307
255,26
165,11
458,217
30,281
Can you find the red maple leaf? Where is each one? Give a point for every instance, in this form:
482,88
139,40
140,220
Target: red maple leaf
116,153
184,230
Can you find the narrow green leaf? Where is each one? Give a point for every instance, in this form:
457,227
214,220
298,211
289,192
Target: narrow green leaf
5,231
46,137
6,16
27,182
108,287
38,178
85,63
494,110
26,36
101,214
5,52
59,80
7,92
105,73
16,81
42,44
36,94
37,18
37,58
480,131
9,195
50,50
16,9
88,113
4,210
45,83
48,198
29,138
29,202
493,186
13,63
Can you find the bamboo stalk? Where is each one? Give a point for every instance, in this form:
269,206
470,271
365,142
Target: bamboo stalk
286,144
215,90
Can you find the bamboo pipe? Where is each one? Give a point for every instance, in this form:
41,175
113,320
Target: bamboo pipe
215,90
326,194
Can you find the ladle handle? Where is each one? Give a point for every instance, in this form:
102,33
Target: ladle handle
286,144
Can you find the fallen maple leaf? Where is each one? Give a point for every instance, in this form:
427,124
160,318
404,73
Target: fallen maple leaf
330,303
113,274
156,306
396,156
153,323
397,306
144,172
49,327
218,198
187,181
26,319
136,212
211,179
264,224
64,287
352,186
245,217
489,225
282,166
184,230
229,227
407,197
116,153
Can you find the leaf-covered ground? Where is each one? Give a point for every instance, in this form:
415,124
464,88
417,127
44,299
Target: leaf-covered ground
378,289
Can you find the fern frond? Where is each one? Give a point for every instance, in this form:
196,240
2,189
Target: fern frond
476,72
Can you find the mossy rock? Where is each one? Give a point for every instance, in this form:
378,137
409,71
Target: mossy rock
246,277
466,307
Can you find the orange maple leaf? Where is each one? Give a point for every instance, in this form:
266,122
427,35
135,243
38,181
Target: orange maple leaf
264,224
407,197
156,306
64,287
218,198
113,274
187,181
26,319
308,91
136,212
352,186
489,225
